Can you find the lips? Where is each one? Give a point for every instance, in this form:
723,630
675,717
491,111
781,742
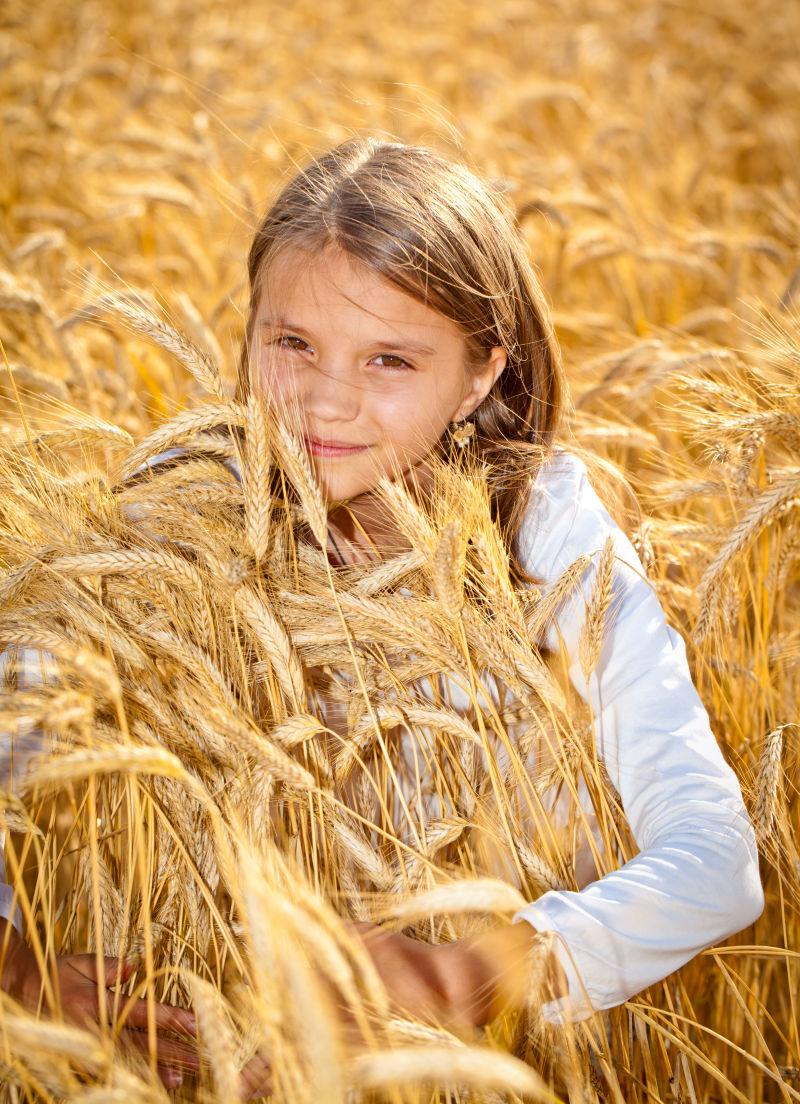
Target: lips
331,447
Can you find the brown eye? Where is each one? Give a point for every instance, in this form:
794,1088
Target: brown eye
400,365
289,337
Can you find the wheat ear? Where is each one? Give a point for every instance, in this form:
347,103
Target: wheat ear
294,460
768,785
217,1038
447,566
198,362
268,630
591,640
469,895
782,496
180,428
478,1067
256,478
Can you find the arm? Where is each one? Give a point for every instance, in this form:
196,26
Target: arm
8,913
33,667
696,879
465,983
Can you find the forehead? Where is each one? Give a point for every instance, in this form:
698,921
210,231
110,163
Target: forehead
331,288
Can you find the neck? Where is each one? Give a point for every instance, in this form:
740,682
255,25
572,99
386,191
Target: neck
366,520
367,524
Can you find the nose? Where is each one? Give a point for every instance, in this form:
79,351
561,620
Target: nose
329,395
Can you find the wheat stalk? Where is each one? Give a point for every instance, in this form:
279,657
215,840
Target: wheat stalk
197,362
593,631
770,505
448,568
768,785
180,429
295,462
256,477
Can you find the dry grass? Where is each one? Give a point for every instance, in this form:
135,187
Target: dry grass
198,809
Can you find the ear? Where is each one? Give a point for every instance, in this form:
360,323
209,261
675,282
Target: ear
482,381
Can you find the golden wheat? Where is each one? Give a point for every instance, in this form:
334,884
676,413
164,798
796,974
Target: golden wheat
257,470
594,627
196,785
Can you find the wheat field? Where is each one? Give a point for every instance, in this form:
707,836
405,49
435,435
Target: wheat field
196,812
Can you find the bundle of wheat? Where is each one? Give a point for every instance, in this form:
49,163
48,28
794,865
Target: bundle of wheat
217,696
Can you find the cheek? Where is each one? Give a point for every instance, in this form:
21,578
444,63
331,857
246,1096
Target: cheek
412,420
276,377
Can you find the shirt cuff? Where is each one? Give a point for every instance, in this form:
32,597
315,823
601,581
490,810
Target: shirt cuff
574,1005
7,909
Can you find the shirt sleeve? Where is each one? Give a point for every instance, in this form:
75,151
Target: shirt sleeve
696,879
33,667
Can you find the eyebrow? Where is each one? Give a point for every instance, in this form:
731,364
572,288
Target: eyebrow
390,343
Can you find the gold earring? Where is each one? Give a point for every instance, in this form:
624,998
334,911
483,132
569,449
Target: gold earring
464,431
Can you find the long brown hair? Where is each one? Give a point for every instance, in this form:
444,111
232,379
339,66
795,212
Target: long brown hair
437,231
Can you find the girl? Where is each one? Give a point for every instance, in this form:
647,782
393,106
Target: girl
395,315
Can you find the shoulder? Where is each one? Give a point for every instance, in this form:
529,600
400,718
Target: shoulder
565,517
559,485
171,457
559,492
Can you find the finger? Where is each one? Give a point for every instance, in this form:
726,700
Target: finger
83,1000
167,1018
256,1078
170,1053
115,969
119,970
362,927
170,1078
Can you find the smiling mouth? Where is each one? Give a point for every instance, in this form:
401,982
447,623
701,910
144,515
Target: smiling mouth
331,448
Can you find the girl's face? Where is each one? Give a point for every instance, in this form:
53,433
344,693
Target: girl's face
354,361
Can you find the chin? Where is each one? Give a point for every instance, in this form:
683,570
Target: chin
339,490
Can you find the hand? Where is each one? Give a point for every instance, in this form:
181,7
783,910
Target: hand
517,964
77,985
411,971
464,984
256,1079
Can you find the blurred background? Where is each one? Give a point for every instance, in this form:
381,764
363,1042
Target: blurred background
649,152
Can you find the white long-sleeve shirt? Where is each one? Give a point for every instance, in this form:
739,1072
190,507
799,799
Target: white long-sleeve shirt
696,878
